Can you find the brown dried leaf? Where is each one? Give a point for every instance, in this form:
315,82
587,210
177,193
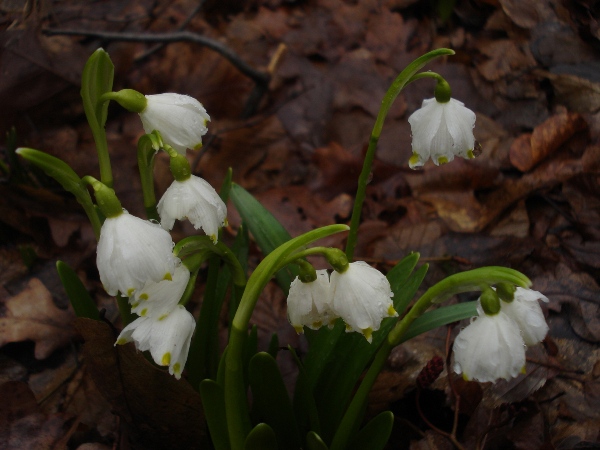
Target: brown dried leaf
545,140
32,315
23,426
157,410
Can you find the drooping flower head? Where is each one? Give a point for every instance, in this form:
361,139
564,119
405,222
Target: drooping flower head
180,119
158,299
441,131
196,200
362,297
307,303
132,251
489,348
528,315
168,338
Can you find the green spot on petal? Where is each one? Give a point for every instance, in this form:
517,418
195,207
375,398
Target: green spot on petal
144,312
213,238
465,377
368,334
168,276
130,292
523,370
414,160
317,324
470,154
177,368
299,329
166,359
199,146
442,160
144,296
391,311
121,341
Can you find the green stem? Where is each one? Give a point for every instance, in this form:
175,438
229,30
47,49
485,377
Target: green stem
399,83
147,147
236,404
125,310
471,280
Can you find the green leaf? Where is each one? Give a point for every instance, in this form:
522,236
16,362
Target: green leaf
375,434
261,437
96,80
68,179
270,400
80,298
314,442
266,229
440,317
213,403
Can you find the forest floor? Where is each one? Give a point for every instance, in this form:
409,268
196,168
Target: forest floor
529,201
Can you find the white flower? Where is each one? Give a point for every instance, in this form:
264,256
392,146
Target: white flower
441,131
180,119
196,200
490,347
156,300
362,297
527,313
307,303
168,339
132,251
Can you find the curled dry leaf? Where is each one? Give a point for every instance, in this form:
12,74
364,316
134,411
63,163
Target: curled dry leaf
32,315
546,138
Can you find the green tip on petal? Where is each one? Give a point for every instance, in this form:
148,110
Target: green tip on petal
168,276
442,160
199,145
414,160
163,317
144,296
317,324
130,292
523,370
348,328
166,359
121,341
135,305
177,368
465,377
299,329
144,312
368,334
391,311
213,238
470,154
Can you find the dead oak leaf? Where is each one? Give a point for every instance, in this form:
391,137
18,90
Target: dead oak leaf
32,315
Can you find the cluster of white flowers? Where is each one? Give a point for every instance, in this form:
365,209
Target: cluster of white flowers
493,346
361,296
135,256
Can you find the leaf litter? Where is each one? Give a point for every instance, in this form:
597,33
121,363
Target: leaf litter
529,201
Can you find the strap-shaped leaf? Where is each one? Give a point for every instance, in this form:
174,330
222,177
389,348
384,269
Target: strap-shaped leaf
266,229
314,442
262,437
271,403
213,403
375,434
440,317
80,298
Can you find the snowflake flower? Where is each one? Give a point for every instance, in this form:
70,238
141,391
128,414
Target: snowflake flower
307,303
362,297
132,251
180,119
196,200
168,338
441,131
528,315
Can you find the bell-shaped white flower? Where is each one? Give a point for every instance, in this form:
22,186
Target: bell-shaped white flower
307,303
528,315
362,297
132,251
156,300
168,338
489,348
196,200
441,131
180,119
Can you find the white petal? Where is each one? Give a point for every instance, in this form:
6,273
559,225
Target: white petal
527,313
196,200
180,119
361,296
308,303
132,251
489,348
159,299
